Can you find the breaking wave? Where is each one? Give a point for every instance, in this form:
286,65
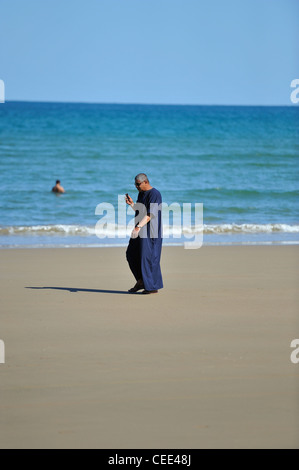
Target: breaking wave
111,230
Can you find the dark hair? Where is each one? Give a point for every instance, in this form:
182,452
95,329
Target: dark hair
57,181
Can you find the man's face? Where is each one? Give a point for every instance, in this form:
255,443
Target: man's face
139,185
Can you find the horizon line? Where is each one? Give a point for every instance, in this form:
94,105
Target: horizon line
144,104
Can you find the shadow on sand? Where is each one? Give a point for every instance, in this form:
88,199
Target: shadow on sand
77,289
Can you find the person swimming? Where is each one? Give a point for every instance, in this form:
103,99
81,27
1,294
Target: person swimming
58,188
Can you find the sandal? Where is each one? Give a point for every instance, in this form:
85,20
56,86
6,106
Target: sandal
138,286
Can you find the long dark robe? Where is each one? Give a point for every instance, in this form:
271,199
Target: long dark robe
144,252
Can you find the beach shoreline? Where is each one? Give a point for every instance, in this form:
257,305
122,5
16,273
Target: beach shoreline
205,363
275,239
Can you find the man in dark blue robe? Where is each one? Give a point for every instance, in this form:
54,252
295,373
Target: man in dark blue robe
144,249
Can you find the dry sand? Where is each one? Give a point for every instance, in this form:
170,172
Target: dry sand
205,363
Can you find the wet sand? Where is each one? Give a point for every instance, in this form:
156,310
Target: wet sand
205,363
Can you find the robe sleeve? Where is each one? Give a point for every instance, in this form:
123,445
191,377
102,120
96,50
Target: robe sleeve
153,204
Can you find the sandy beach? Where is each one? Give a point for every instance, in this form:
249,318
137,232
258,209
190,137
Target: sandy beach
205,363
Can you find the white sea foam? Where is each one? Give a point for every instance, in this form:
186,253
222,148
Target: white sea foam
250,228
112,230
47,230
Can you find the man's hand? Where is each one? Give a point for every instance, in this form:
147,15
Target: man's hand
129,200
135,232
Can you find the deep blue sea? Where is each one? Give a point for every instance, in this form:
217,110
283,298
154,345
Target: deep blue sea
241,163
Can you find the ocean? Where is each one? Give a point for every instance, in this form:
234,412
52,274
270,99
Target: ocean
239,162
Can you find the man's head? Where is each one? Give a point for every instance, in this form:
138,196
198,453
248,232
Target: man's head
57,181
142,182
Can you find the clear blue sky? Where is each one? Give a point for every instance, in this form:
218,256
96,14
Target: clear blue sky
150,51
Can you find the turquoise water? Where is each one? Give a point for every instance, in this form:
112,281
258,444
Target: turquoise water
240,162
